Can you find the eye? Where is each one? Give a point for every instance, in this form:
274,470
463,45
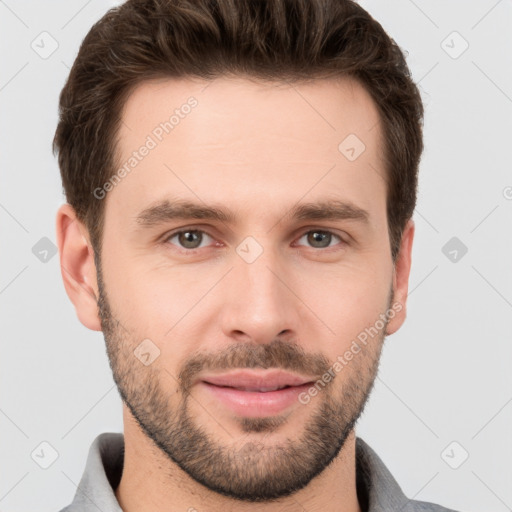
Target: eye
191,239
188,238
320,239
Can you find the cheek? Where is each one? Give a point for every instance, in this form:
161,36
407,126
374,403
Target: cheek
168,306
139,300
350,300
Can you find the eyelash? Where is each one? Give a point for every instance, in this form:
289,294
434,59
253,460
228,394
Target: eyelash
193,251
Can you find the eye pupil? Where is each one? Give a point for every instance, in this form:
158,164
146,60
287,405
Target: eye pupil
319,236
189,239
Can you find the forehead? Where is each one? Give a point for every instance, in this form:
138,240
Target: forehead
325,107
234,138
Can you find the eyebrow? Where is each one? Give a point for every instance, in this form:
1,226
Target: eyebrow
165,211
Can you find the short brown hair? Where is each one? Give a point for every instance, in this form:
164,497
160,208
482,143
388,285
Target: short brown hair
273,40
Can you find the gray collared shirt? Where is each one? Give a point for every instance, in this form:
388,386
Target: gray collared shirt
377,490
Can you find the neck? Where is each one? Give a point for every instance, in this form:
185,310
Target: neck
151,482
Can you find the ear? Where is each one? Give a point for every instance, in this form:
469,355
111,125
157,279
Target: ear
77,266
401,279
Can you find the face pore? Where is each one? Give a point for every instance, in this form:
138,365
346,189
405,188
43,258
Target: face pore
259,289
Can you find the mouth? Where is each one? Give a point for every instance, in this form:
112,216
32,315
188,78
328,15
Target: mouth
260,389
257,380
256,393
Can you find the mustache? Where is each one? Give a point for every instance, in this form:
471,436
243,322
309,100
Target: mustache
277,354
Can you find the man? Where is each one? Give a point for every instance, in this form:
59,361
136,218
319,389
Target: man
240,180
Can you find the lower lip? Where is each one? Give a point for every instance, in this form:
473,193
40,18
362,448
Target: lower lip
253,404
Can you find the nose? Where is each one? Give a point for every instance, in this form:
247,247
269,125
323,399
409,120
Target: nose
260,302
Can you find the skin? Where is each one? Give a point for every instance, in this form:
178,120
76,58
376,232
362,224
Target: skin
258,150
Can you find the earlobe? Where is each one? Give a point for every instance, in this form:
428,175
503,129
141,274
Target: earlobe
401,279
77,266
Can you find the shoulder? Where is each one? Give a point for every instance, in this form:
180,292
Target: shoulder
377,489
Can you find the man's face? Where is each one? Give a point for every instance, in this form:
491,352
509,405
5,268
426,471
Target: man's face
262,289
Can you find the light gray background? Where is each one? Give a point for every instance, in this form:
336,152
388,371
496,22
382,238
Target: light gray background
444,377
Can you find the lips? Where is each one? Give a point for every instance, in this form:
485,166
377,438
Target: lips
262,381
254,393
